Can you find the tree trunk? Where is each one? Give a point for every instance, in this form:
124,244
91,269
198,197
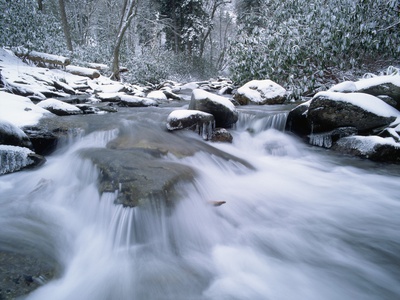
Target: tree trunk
40,5
65,25
129,11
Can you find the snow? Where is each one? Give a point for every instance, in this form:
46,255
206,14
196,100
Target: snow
378,80
58,105
344,87
199,94
20,111
367,102
11,129
258,91
185,87
186,113
13,158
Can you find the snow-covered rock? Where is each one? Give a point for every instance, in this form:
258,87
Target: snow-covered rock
386,87
19,110
134,101
184,88
344,87
372,147
329,110
261,92
221,108
157,95
13,135
13,158
109,97
199,121
59,108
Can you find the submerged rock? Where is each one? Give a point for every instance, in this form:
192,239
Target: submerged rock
138,176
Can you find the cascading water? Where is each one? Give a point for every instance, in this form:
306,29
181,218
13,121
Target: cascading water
298,223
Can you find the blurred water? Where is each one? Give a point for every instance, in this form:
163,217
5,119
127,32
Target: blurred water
301,224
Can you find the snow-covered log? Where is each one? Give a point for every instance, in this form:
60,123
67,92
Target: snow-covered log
42,57
81,71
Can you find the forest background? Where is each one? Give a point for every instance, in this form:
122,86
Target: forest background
303,45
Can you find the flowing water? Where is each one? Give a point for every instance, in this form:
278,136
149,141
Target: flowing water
302,223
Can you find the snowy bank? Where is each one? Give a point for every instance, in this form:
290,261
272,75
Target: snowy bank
19,110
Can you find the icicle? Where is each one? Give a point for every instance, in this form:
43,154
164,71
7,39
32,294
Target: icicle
321,140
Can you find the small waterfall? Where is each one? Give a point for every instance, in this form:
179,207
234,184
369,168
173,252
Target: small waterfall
256,122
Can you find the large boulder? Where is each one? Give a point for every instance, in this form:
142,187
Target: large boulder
59,108
221,108
261,92
13,135
329,110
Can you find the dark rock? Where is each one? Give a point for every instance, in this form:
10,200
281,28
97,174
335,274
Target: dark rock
44,141
221,108
298,122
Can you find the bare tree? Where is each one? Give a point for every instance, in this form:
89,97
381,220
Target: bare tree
129,10
65,25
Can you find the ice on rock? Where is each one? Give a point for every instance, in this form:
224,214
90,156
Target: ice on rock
13,158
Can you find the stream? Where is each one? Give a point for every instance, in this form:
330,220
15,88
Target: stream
302,223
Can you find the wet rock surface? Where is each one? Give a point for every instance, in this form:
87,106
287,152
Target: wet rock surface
137,175
21,274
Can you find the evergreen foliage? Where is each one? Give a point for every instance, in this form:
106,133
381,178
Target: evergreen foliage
23,24
297,43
